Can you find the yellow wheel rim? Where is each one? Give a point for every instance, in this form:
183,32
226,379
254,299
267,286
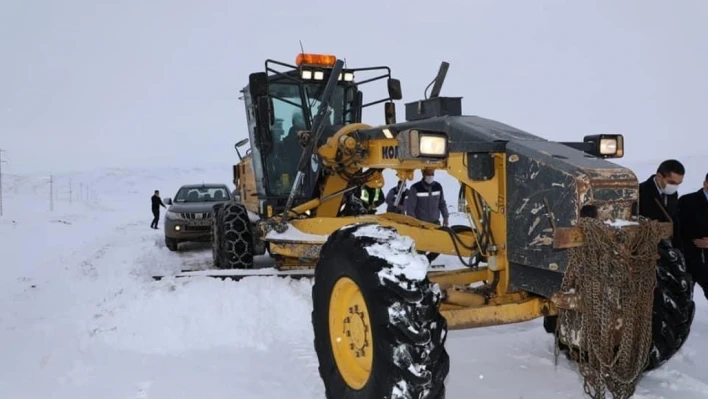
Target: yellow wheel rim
350,333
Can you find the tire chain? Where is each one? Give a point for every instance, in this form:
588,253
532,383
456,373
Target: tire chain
615,276
236,239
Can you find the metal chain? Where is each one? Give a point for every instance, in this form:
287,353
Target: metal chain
614,275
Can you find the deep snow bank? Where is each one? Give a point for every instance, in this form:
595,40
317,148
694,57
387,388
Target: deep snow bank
179,315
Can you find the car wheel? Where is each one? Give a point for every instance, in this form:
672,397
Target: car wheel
171,244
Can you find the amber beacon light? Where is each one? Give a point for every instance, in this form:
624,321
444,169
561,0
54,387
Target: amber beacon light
322,60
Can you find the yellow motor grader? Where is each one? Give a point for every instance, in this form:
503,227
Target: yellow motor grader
552,233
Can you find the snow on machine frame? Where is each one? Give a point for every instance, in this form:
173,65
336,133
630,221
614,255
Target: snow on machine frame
553,221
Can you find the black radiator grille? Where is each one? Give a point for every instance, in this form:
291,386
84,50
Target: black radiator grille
196,216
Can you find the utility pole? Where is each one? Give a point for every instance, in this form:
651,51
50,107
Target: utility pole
51,193
1,162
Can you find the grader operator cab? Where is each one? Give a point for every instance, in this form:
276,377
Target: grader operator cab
553,222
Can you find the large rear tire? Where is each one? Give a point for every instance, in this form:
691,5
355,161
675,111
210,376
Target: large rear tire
673,308
234,242
378,331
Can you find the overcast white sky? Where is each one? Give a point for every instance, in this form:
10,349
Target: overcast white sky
87,83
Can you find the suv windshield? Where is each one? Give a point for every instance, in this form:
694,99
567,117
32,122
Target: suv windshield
202,194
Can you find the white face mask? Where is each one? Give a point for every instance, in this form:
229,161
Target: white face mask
429,179
670,189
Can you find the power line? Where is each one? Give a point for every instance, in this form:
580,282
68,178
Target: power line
1,162
51,193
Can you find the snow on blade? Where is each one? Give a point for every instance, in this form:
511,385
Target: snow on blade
294,234
253,217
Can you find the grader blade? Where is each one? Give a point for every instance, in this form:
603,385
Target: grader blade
237,275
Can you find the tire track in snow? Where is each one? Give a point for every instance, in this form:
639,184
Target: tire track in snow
105,243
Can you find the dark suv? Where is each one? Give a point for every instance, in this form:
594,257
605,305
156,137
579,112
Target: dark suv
188,217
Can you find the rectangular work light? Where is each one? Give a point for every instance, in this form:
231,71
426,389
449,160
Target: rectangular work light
605,145
432,145
422,144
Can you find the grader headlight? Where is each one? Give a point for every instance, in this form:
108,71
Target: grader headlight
608,146
427,144
433,146
605,145
415,143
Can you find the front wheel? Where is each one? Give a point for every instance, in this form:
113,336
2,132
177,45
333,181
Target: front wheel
378,332
233,247
171,244
673,308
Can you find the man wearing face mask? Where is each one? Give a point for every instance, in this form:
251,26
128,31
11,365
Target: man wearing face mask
693,223
426,200
658,196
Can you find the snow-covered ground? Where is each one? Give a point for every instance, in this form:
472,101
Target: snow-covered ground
81,317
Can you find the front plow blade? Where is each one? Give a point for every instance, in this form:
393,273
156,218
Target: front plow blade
238,274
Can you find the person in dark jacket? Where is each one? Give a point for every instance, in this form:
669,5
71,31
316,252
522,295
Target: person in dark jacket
658,196
693,222
391,198
156,203
426,200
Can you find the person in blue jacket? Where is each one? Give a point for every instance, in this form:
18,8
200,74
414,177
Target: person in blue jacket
426,200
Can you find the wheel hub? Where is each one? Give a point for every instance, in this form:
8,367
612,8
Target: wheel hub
356,328
350,333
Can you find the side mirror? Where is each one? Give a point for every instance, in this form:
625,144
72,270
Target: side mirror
390,112
258,84
168,201
240,144
264,119
394,89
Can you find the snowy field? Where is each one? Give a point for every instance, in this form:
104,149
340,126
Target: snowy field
80,316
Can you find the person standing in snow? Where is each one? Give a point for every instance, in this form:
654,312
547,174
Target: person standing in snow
658,196
156,203
426,200
391,197
693,223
